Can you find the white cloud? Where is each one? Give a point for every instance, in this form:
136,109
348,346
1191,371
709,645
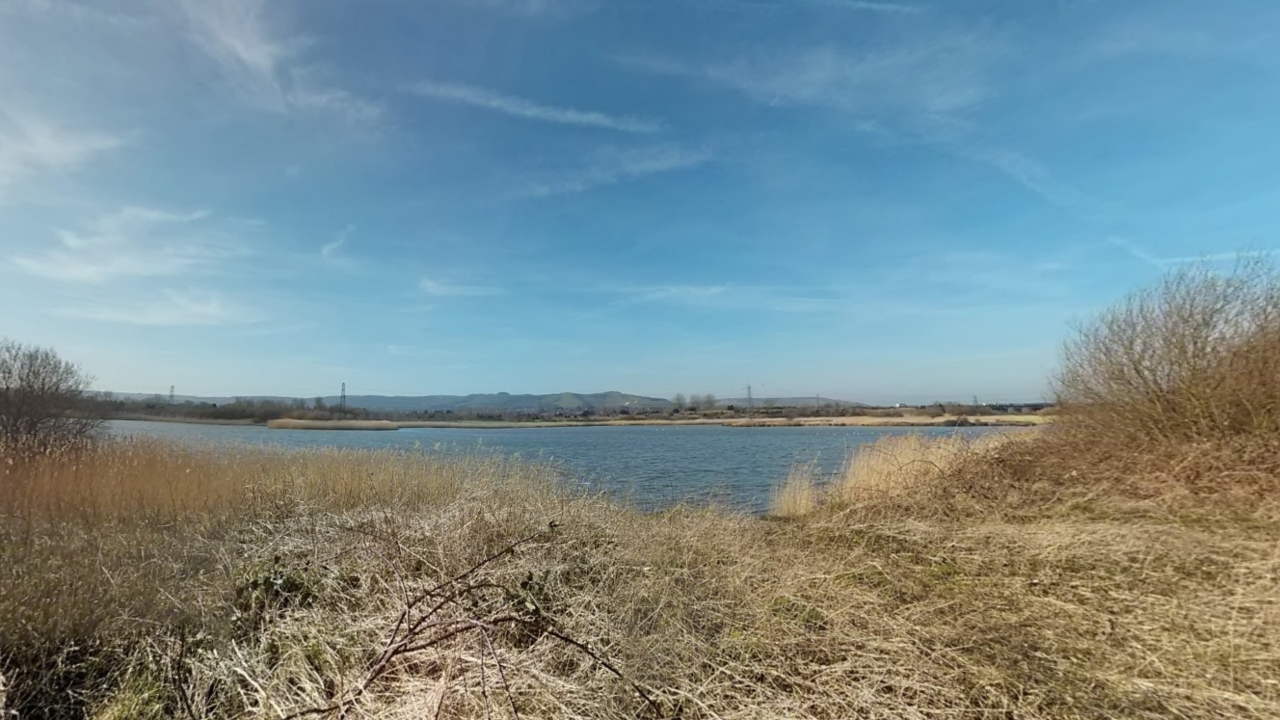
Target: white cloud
29,145
330,250
735,298
610,166
859,5
532,8
1185,31
678,293
261,66
884,7
913,84
132,242
336,102
1121,41
528,109
234,34
1152,259
1028,174
171,309
444,289
919,92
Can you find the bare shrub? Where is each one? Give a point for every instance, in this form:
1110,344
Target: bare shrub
1194,358
42,403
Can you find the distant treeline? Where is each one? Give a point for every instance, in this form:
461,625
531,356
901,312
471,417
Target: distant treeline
107,405
243,409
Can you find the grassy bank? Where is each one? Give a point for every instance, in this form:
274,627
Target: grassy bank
903,421
143,580
181,419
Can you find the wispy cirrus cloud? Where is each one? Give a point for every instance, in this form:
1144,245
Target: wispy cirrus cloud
1027,173
677,293
928,93
1125,41
532,8
132,242
234,34
29,145
1185,30
907,84
1145,256
528,109
856,5
732,297
172,308
610,166
261,65
307,96
883,7
445,289
329,251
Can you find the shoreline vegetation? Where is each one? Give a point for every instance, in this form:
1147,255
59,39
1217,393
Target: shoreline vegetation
1034,576
855,421
564,410
1120,562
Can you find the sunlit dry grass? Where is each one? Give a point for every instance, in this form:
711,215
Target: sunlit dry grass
878,475
905,420
145,580
799,494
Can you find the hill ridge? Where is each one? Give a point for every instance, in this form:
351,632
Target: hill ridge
511,402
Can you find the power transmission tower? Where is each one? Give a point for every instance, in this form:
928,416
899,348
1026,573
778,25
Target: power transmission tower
750,403
170,394
342,399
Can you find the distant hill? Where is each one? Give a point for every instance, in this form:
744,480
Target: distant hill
506,402
798,402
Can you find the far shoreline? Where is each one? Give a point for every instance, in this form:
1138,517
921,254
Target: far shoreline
388,425
243,422
855,421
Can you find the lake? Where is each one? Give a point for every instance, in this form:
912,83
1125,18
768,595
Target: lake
652,466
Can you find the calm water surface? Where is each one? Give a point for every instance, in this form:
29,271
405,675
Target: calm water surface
653,466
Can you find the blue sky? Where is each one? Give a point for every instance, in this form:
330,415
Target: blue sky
879,201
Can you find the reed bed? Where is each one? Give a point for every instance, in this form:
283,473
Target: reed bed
146,580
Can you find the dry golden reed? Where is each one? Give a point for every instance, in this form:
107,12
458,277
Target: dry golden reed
147,580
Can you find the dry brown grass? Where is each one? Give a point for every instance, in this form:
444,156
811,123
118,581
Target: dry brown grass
899,466
895,421
800,494
883,475
144,580
1125,561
